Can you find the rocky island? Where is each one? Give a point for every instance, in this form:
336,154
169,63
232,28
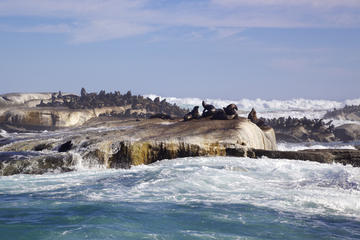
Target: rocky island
111,130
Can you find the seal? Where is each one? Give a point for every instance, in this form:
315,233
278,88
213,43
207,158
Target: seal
194,114
209,110
220,115
231,109
254,119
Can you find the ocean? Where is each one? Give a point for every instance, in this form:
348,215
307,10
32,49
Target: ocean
191,198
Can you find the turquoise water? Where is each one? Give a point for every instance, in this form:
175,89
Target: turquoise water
191,198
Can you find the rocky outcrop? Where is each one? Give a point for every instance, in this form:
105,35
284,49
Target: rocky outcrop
343,156
37,164
23,99
301,130
116,99
351,113
49,111
348,132
44,118
129,142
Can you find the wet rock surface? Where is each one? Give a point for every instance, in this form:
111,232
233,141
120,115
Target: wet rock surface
123,143
37,164
343,156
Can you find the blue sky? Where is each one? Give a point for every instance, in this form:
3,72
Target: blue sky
234,49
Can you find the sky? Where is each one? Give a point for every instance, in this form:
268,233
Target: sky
228,49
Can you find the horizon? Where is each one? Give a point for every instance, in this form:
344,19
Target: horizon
216,49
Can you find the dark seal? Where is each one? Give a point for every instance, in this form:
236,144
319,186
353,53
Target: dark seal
194,114
254,119
209,110
231,109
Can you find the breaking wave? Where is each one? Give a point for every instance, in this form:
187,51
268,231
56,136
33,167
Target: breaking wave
299,104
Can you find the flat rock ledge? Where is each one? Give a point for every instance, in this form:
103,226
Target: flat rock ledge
343,156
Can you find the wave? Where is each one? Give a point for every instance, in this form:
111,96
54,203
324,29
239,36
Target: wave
299,104
300,187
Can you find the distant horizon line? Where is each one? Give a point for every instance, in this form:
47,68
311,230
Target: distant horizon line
186,97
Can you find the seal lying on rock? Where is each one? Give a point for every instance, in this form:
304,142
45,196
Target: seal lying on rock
227,113
253,118
231,109
194,114
209,110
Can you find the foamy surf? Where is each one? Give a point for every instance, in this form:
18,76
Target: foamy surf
190,198
284,185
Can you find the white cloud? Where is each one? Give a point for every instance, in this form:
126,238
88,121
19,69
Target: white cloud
98,20
101,30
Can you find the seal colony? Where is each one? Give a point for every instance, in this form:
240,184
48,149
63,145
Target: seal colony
116,99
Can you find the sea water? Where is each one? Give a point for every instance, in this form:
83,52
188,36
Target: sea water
189,198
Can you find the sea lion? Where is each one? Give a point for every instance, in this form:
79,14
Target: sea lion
231,109
187,117
220,115
194,114
254,119
209,109
252,116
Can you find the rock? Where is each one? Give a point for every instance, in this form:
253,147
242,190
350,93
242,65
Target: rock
343,156
301,130
37,165
45,118
147,141
161,116
348,132
65,147
351,113
23,99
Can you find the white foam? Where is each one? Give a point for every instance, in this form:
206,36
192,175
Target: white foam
299,104
4,133
285,185
303,146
